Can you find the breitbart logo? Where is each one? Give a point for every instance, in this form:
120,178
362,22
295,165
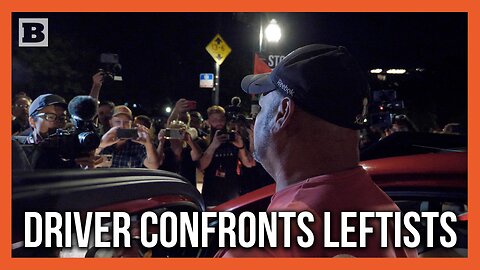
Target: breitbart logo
33,32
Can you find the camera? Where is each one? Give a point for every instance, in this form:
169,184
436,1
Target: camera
73,143
110,67
82,138
231,135
192,105
241,124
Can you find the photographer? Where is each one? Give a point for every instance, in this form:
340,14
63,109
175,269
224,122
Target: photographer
220,159
196,122
134,151
234,108
180,153
47,113
255,177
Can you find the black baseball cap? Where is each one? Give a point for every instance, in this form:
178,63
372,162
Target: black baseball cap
324,80
45,100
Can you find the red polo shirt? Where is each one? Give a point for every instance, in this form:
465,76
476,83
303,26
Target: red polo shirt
349,190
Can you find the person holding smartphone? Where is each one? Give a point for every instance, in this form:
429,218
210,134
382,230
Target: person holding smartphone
181,109
130,147
223,151
178,150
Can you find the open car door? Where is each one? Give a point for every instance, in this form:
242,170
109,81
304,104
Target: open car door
133,191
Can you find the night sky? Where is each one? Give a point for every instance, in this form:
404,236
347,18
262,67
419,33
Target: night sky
162,54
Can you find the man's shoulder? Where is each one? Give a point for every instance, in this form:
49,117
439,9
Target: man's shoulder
351,190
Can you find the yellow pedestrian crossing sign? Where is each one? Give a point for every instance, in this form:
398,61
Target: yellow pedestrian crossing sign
218,49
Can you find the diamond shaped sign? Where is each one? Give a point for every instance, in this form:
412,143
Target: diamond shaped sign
218,49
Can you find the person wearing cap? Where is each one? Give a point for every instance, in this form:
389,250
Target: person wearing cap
128,153
47,113
306,137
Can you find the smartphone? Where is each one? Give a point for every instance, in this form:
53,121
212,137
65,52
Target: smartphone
231,136
109,58
127,133
192,105
174,134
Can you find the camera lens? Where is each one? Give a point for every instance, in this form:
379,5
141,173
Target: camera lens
88,140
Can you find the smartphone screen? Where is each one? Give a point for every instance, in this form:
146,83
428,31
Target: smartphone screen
174,134
127,133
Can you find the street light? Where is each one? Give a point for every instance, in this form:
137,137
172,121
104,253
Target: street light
273,32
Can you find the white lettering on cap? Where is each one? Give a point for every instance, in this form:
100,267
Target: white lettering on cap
285,87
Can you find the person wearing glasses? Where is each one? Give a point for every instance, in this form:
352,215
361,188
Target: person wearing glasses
46,114
20,105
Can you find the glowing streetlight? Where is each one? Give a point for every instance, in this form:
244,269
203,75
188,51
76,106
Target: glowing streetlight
396,71
273,33
168,109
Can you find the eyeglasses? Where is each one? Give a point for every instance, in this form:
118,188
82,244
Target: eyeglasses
51,117
23,106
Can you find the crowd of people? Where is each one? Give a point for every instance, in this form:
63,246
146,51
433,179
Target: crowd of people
306,137
216,151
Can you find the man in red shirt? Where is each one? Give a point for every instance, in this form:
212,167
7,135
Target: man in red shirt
306,136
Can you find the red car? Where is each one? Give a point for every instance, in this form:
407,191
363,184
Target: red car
420,182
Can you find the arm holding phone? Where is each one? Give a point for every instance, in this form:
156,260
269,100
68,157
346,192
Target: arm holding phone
181,107
97,81
139,135
160,147
196,153
109,138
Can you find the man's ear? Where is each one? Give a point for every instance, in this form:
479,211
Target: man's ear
284,113
31,121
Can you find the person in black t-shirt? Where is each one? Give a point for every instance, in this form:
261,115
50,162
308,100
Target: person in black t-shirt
220,160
